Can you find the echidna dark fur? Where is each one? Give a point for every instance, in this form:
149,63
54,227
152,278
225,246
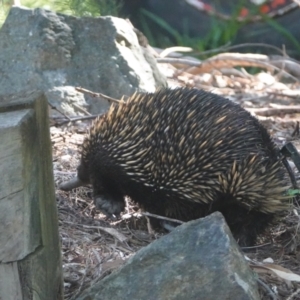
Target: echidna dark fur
185,153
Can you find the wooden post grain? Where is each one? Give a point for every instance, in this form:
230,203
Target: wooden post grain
30,259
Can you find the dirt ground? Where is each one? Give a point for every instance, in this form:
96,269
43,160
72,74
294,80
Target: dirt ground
92,246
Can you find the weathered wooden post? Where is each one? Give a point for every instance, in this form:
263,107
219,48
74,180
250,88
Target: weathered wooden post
30,260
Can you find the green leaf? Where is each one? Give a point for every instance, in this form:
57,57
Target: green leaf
292,192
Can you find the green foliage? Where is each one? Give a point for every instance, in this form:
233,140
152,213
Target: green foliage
221,33
73,7
91,8
154,38
5,6
283,31
46,4
3,11
292,192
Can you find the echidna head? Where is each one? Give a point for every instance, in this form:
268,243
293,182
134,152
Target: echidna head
83,173
81,179
107,198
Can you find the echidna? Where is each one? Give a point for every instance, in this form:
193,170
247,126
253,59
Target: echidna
185,153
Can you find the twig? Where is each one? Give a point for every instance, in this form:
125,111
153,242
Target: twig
75,119
81,282
121,237
267,288
149,227
63,173
293,295
161,217
293,94
227,47
96,95
81,109
61,112
182,61
256,246
296,130
274,111
167,51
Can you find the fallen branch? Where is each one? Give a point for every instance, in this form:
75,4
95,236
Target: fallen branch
274,111
227,60
161,217
118,235
294,94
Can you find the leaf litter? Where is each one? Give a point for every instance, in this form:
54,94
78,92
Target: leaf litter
93,246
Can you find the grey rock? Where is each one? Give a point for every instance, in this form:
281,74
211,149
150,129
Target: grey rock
67,100
40,49
198,260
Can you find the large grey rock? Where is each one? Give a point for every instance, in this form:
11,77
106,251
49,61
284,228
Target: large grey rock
198,260
67,100
40,49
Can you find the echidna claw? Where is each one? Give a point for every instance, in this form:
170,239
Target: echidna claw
110,208
115,217
169,226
